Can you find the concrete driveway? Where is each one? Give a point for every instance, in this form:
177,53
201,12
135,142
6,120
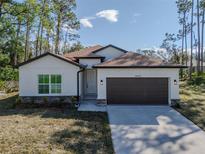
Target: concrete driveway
153,130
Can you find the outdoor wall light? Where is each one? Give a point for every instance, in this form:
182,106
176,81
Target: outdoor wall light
175,82
101,82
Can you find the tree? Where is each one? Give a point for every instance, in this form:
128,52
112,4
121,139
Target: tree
64,15
32,27
198,35
191,56
202,33
184,7
171,48
75,47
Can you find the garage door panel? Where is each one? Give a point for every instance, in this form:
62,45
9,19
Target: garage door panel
144,91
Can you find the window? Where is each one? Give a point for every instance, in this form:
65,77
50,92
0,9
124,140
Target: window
55,84
43,84
49,84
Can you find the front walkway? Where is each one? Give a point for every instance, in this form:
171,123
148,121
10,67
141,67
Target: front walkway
153,130
92,106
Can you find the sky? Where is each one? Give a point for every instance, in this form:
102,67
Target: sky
129,24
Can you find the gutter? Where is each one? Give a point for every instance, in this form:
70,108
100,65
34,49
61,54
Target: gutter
96,66
78,86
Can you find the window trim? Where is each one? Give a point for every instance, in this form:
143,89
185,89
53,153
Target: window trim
44,84
49,84
56,84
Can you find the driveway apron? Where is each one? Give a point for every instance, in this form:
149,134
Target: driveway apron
153,130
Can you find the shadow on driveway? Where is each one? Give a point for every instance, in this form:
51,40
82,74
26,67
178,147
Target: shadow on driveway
153,130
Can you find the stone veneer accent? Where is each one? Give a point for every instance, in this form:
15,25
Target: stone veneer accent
48,99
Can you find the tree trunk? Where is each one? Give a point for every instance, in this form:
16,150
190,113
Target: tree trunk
16,45
27,39
185,37
58,34
65,42
191,57
48,41
198,30
41,39
182,58
41,25
202,41
37,37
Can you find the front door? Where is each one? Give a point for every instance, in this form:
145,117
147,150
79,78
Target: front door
91,81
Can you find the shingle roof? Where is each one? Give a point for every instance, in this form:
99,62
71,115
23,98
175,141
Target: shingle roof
135,60
52,54
86,52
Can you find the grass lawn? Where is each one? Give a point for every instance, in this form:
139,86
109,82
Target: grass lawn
192,103
52,130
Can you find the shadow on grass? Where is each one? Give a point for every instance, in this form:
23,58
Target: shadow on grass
87,132
8,101
87,139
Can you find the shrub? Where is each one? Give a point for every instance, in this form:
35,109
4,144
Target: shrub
4,60
73,99
197,79
177,105
2,85
8,74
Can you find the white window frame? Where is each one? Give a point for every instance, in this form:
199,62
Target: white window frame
49,84
44,84
56,84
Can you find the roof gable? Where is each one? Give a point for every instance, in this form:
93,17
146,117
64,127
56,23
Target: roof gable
91,52
51,54
110,45
86,52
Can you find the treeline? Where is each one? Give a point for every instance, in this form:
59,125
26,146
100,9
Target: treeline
188,43
32,27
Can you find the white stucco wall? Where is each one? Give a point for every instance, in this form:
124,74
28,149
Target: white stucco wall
110,53
171,73
89,62
28,76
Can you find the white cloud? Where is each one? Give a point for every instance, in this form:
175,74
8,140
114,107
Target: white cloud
135,17
86,22
111,15
137,14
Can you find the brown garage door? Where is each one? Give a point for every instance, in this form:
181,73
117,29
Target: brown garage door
144,91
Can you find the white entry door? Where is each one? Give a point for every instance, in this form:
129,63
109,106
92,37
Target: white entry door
91,81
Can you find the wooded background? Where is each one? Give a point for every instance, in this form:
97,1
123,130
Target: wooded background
32,27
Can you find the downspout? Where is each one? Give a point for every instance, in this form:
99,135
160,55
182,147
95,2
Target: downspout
78,85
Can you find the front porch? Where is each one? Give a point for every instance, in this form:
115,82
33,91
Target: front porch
92,105
88,99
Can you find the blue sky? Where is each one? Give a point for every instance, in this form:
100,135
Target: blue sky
130,24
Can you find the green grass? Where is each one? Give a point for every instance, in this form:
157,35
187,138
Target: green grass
52,130
192,103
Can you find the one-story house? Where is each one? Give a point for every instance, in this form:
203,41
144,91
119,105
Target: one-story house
107,74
